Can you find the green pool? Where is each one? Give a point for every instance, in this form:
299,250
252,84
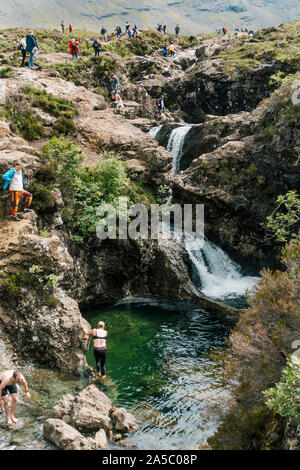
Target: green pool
161,365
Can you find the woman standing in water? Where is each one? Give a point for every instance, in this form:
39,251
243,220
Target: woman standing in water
99,335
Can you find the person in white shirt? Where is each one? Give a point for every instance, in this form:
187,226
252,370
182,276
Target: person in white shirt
18,191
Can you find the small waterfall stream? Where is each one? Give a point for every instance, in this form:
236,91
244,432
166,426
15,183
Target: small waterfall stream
175,145
216,274
154,131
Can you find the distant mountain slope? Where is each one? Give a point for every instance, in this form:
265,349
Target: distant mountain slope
194,16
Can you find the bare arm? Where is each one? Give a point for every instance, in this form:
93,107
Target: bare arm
24,383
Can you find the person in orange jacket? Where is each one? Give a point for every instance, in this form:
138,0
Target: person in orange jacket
70,28
74,48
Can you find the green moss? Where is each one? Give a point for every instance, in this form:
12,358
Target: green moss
51,301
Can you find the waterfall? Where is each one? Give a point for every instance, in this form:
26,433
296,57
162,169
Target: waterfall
175,145
219,277
214,272
154,131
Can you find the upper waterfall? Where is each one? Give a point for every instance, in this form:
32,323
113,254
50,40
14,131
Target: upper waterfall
175,145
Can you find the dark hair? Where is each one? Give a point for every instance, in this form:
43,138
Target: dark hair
16,374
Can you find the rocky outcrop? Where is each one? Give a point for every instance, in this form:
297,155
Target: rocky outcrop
123,421
64,436
51,320
90,411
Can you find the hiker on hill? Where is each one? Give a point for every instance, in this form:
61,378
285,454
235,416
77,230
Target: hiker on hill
62,25
8,384
22,48
116,86
165,51
14,179
99,335
166,72
177,30
70,28
172,50
119,101
127,26
129,32
32,47
97,47
135,31
164,28
74,48
119,32
104,33
159,27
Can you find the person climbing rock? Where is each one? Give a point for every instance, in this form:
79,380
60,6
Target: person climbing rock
8,384
119,32
104,33
32,47
177,30
97,47
14,179
74,48
116,86
62,25
99,335
160,103
165,51
22,48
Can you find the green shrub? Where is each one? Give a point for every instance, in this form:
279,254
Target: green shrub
284,398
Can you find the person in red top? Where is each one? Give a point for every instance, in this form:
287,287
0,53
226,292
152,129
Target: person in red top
70,28
74,48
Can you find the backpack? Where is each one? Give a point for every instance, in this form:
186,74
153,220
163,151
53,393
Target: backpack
74,47
21,45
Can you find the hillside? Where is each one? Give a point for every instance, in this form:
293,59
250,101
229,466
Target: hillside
194,16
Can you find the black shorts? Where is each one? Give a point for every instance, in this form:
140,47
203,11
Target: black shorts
9,388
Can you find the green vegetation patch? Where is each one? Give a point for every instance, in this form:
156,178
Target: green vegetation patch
83,188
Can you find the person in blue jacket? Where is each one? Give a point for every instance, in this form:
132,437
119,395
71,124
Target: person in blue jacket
32,47
14,181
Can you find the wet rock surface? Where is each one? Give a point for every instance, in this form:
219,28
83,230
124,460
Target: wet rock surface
89,412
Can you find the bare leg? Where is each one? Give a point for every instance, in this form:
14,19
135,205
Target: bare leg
14,402
6,409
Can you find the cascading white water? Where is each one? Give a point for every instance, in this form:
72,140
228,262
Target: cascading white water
220,277
154,131
217,276
175,145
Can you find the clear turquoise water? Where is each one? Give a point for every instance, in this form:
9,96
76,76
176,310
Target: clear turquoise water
160,365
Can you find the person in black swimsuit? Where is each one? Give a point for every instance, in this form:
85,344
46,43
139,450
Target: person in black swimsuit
99,335
8,384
